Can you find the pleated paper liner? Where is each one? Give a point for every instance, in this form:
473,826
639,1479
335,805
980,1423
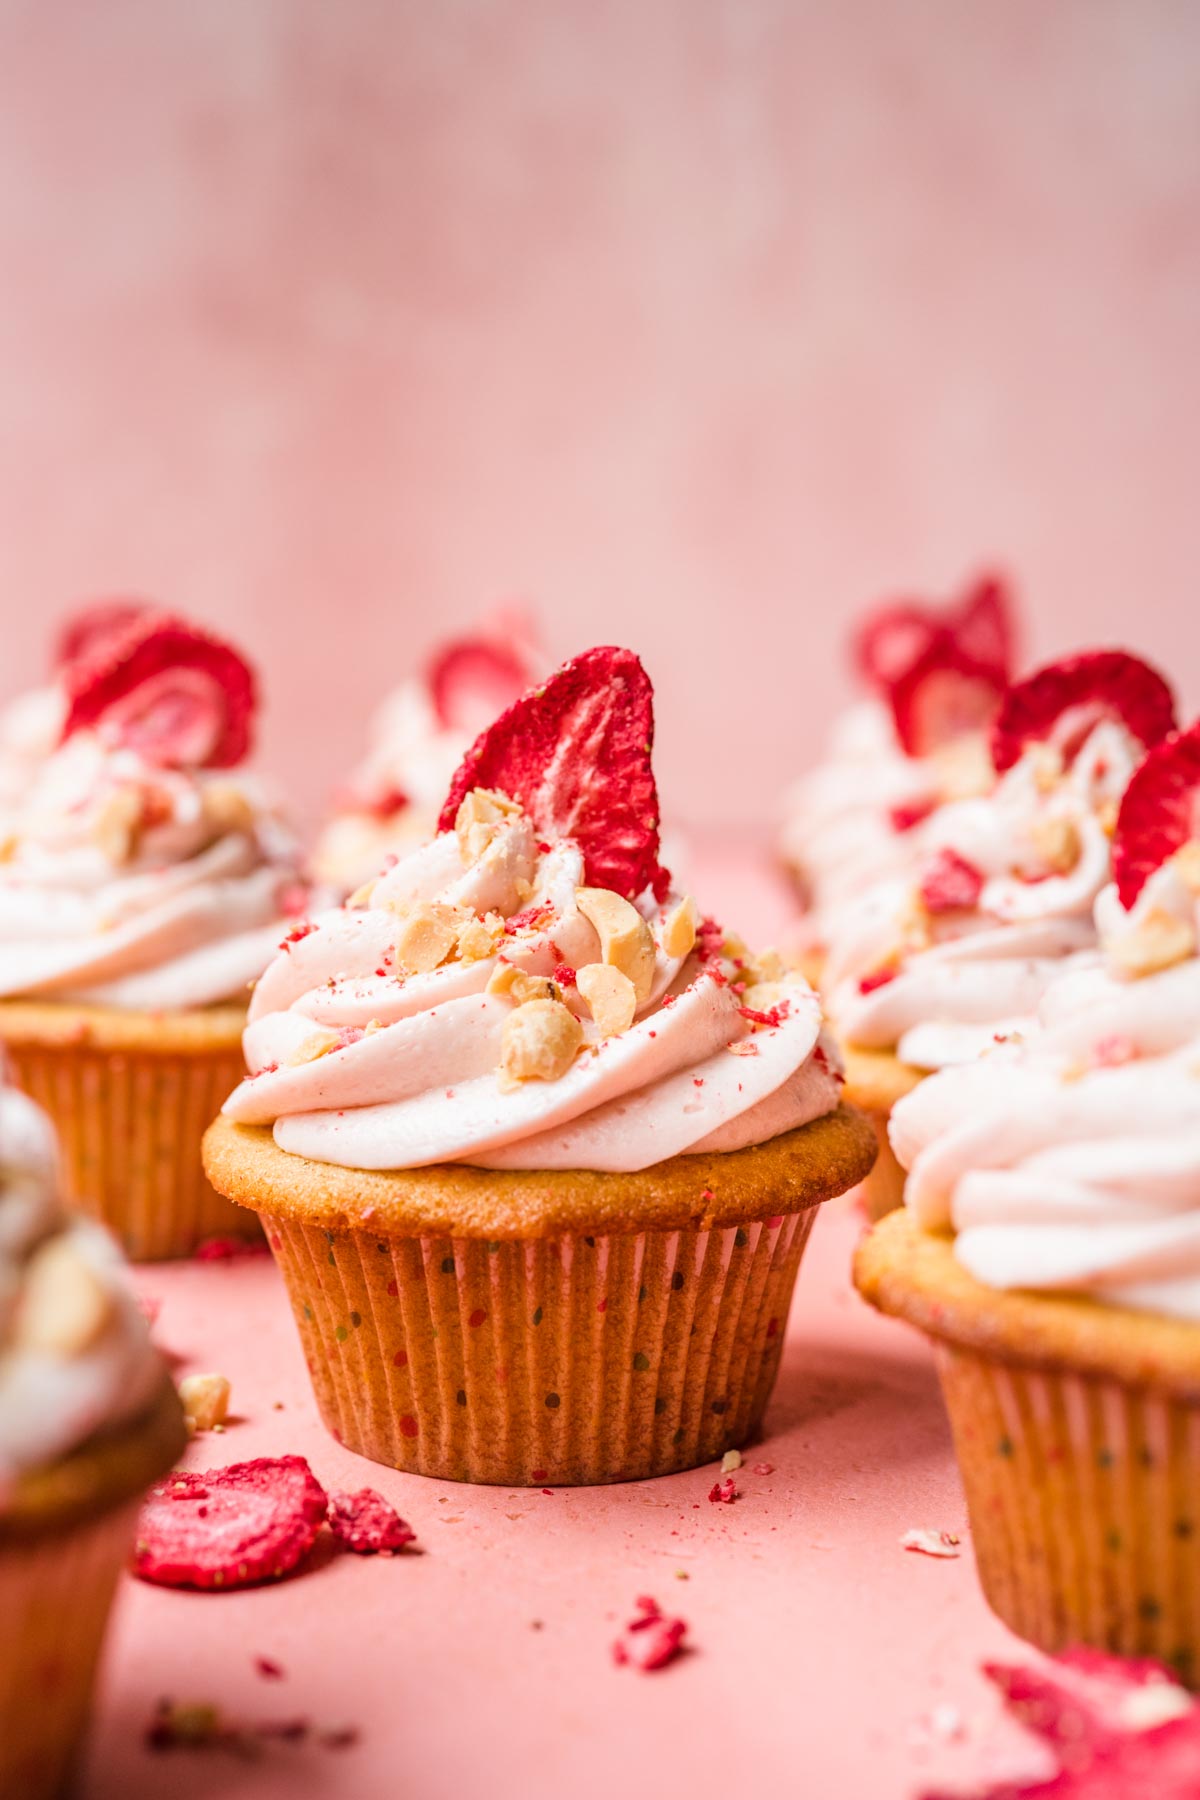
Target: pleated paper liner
875,1081
1077,1431
130,1095
66,1532
55,1597
566,1358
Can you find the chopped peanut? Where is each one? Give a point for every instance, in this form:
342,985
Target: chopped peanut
1157,942
762,996
679,928
611,997
539,1042
479,818
626,941
533,987
319,1044
477,938
362,895
63,1305
117,824
1186,864
767,965
226,807
205,1401
427,936
1057,843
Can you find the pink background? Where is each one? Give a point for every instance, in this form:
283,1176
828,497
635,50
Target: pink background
699,322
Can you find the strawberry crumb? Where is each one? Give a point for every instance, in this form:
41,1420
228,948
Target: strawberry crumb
297,932
268,1668
876,979
763,1469
650,1640
1111,1052
950,883
723,1493
564,974
909,813
778,1013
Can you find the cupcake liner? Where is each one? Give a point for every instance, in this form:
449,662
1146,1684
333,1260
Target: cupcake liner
129,1123
547,1361
55,1595
883,1190
1084,1500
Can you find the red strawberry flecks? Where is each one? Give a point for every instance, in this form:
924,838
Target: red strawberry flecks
231,1527
876,979
949,883
651,1639
1062,704
909,814
1160,812
778,1013
564,975
575,753
1121,1730
723,1492
179,697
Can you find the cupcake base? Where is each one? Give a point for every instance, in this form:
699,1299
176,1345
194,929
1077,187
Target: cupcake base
1077,1430
130,1095
543,1328
875,1081
63,1543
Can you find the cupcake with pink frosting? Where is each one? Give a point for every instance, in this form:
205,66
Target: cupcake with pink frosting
416,740
936,676
536,1146
145,883
933,965
88,1419
1050,1247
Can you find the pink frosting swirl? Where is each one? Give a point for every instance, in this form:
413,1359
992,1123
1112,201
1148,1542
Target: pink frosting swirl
354,1061
938,986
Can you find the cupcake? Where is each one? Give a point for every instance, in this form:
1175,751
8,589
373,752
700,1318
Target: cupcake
936,677
144,884
1050,1248
930,966
536,1147
88,1420
417,739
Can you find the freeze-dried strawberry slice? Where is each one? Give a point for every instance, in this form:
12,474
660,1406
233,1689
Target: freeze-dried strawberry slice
368,1524
949,883
1062,704
473,679
227,1528
943,670
1160,811
576,753
178,696
1120,1730
94,626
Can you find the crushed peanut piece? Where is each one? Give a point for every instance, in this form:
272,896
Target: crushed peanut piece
626,941
427,935
610,996
764,996
362,895
679,928
477,938
226,807
1186,864
319,1044
1158,941
731,1460
1057,843
539,1042
767,965
205,1401
478,819
525,987
117,824
1108,813
63,1305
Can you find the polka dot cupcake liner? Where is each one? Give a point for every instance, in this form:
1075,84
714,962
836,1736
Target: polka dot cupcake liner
1084,1500
543,1361
56,1592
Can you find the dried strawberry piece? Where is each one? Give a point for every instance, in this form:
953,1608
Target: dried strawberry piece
178,696
1160,811
228,1528
94,627
367,1524
1064,702
723,1493
949,883
576,753
1098,1713
908,814
943,670
650,1640
876,979
473,679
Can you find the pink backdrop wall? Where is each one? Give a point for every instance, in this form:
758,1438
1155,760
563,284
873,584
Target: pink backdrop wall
697,321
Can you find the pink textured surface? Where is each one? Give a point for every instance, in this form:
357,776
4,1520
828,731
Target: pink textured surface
824,1654
698,322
